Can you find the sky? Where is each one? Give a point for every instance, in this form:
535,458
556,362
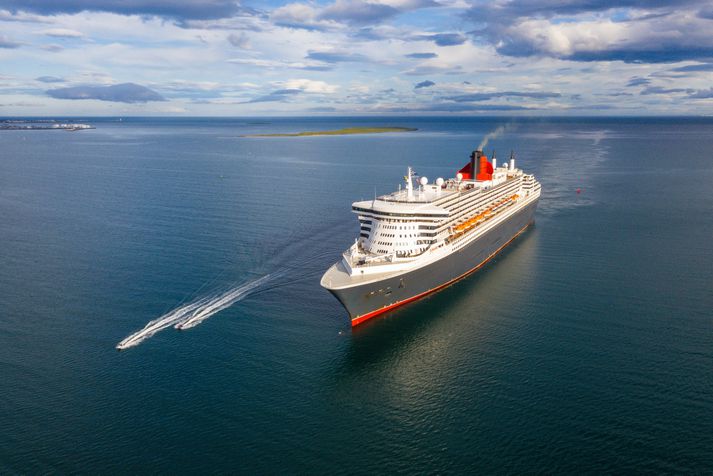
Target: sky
352,57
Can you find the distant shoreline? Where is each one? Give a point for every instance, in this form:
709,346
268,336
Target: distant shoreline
339,132
41,125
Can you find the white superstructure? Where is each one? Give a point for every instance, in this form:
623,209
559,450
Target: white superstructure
425,222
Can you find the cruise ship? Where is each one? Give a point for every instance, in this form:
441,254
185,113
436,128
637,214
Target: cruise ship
425,236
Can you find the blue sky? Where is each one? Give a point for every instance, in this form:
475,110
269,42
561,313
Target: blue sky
264,57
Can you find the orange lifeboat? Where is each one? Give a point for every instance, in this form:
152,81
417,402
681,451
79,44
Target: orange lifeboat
469,223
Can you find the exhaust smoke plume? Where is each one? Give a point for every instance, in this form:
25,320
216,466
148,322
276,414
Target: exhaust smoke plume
494,135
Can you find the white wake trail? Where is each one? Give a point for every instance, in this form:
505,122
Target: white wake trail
219,303
167,320
192,314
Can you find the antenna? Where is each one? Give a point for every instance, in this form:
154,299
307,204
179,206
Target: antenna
409,184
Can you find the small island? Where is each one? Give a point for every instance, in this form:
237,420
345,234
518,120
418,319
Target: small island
340,132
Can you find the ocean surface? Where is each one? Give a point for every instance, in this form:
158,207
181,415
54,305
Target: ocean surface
586,346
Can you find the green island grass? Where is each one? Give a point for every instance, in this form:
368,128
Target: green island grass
340,132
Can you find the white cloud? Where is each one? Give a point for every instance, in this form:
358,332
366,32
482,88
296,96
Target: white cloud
20,16
62,33
239,41
301,15
353,67
8,43
53,47
172,109
308,86
186,85
277,64
650,38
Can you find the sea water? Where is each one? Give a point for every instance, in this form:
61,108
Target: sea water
587,345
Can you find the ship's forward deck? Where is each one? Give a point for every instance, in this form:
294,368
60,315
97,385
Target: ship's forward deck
338,277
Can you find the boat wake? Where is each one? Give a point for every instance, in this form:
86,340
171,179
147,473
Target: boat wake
192,314
219,303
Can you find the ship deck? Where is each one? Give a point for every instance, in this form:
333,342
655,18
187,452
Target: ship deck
337,277
426,194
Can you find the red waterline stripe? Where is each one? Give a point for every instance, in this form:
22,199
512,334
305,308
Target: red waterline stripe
358,320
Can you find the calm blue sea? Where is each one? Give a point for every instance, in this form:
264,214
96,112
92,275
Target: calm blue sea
586,346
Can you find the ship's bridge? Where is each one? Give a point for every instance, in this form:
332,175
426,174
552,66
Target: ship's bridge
396,228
